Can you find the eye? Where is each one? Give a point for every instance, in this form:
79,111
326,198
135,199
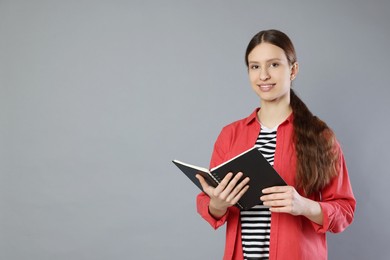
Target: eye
274,65
254,67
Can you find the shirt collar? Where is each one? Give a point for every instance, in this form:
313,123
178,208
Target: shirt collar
253,116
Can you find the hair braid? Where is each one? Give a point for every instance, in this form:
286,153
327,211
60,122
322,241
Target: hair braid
314,145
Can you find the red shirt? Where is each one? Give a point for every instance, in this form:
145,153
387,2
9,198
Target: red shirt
292,237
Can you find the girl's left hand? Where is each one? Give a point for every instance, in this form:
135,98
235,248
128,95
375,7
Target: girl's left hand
285,199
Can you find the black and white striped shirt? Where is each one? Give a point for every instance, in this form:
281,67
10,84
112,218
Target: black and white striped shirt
256,222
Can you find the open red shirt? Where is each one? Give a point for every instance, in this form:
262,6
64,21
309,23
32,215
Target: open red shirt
292,237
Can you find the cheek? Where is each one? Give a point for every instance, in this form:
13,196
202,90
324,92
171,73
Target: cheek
254,74
285,78
252,78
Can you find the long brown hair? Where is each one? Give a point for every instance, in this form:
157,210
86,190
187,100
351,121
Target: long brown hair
313,140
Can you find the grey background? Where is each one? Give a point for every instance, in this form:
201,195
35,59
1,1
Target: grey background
97,98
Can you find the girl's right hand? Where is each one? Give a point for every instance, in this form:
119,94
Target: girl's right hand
226,194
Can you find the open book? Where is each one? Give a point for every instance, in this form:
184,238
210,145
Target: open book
251,163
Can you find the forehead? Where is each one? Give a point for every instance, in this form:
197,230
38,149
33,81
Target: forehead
265,52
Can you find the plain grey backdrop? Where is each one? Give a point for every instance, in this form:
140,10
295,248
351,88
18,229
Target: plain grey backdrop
97,98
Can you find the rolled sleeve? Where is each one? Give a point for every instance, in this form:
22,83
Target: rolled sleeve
337,202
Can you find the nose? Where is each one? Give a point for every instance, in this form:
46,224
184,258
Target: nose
264,75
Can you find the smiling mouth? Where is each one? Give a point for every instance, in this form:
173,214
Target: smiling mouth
266,87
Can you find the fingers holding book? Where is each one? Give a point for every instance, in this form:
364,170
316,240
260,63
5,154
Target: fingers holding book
226,194
231,189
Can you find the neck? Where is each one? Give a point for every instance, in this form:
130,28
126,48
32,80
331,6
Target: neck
272,114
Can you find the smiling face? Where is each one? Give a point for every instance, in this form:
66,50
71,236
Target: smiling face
270,73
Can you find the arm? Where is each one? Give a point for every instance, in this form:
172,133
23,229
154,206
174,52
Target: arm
214,205
337,202
333,212
203,200
285,199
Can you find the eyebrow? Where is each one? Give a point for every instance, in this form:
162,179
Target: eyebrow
269,60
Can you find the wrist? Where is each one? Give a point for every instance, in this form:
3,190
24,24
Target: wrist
313,211
216,212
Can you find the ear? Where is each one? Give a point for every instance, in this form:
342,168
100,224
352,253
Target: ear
294,71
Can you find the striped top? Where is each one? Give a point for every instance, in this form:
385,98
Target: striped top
256,222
